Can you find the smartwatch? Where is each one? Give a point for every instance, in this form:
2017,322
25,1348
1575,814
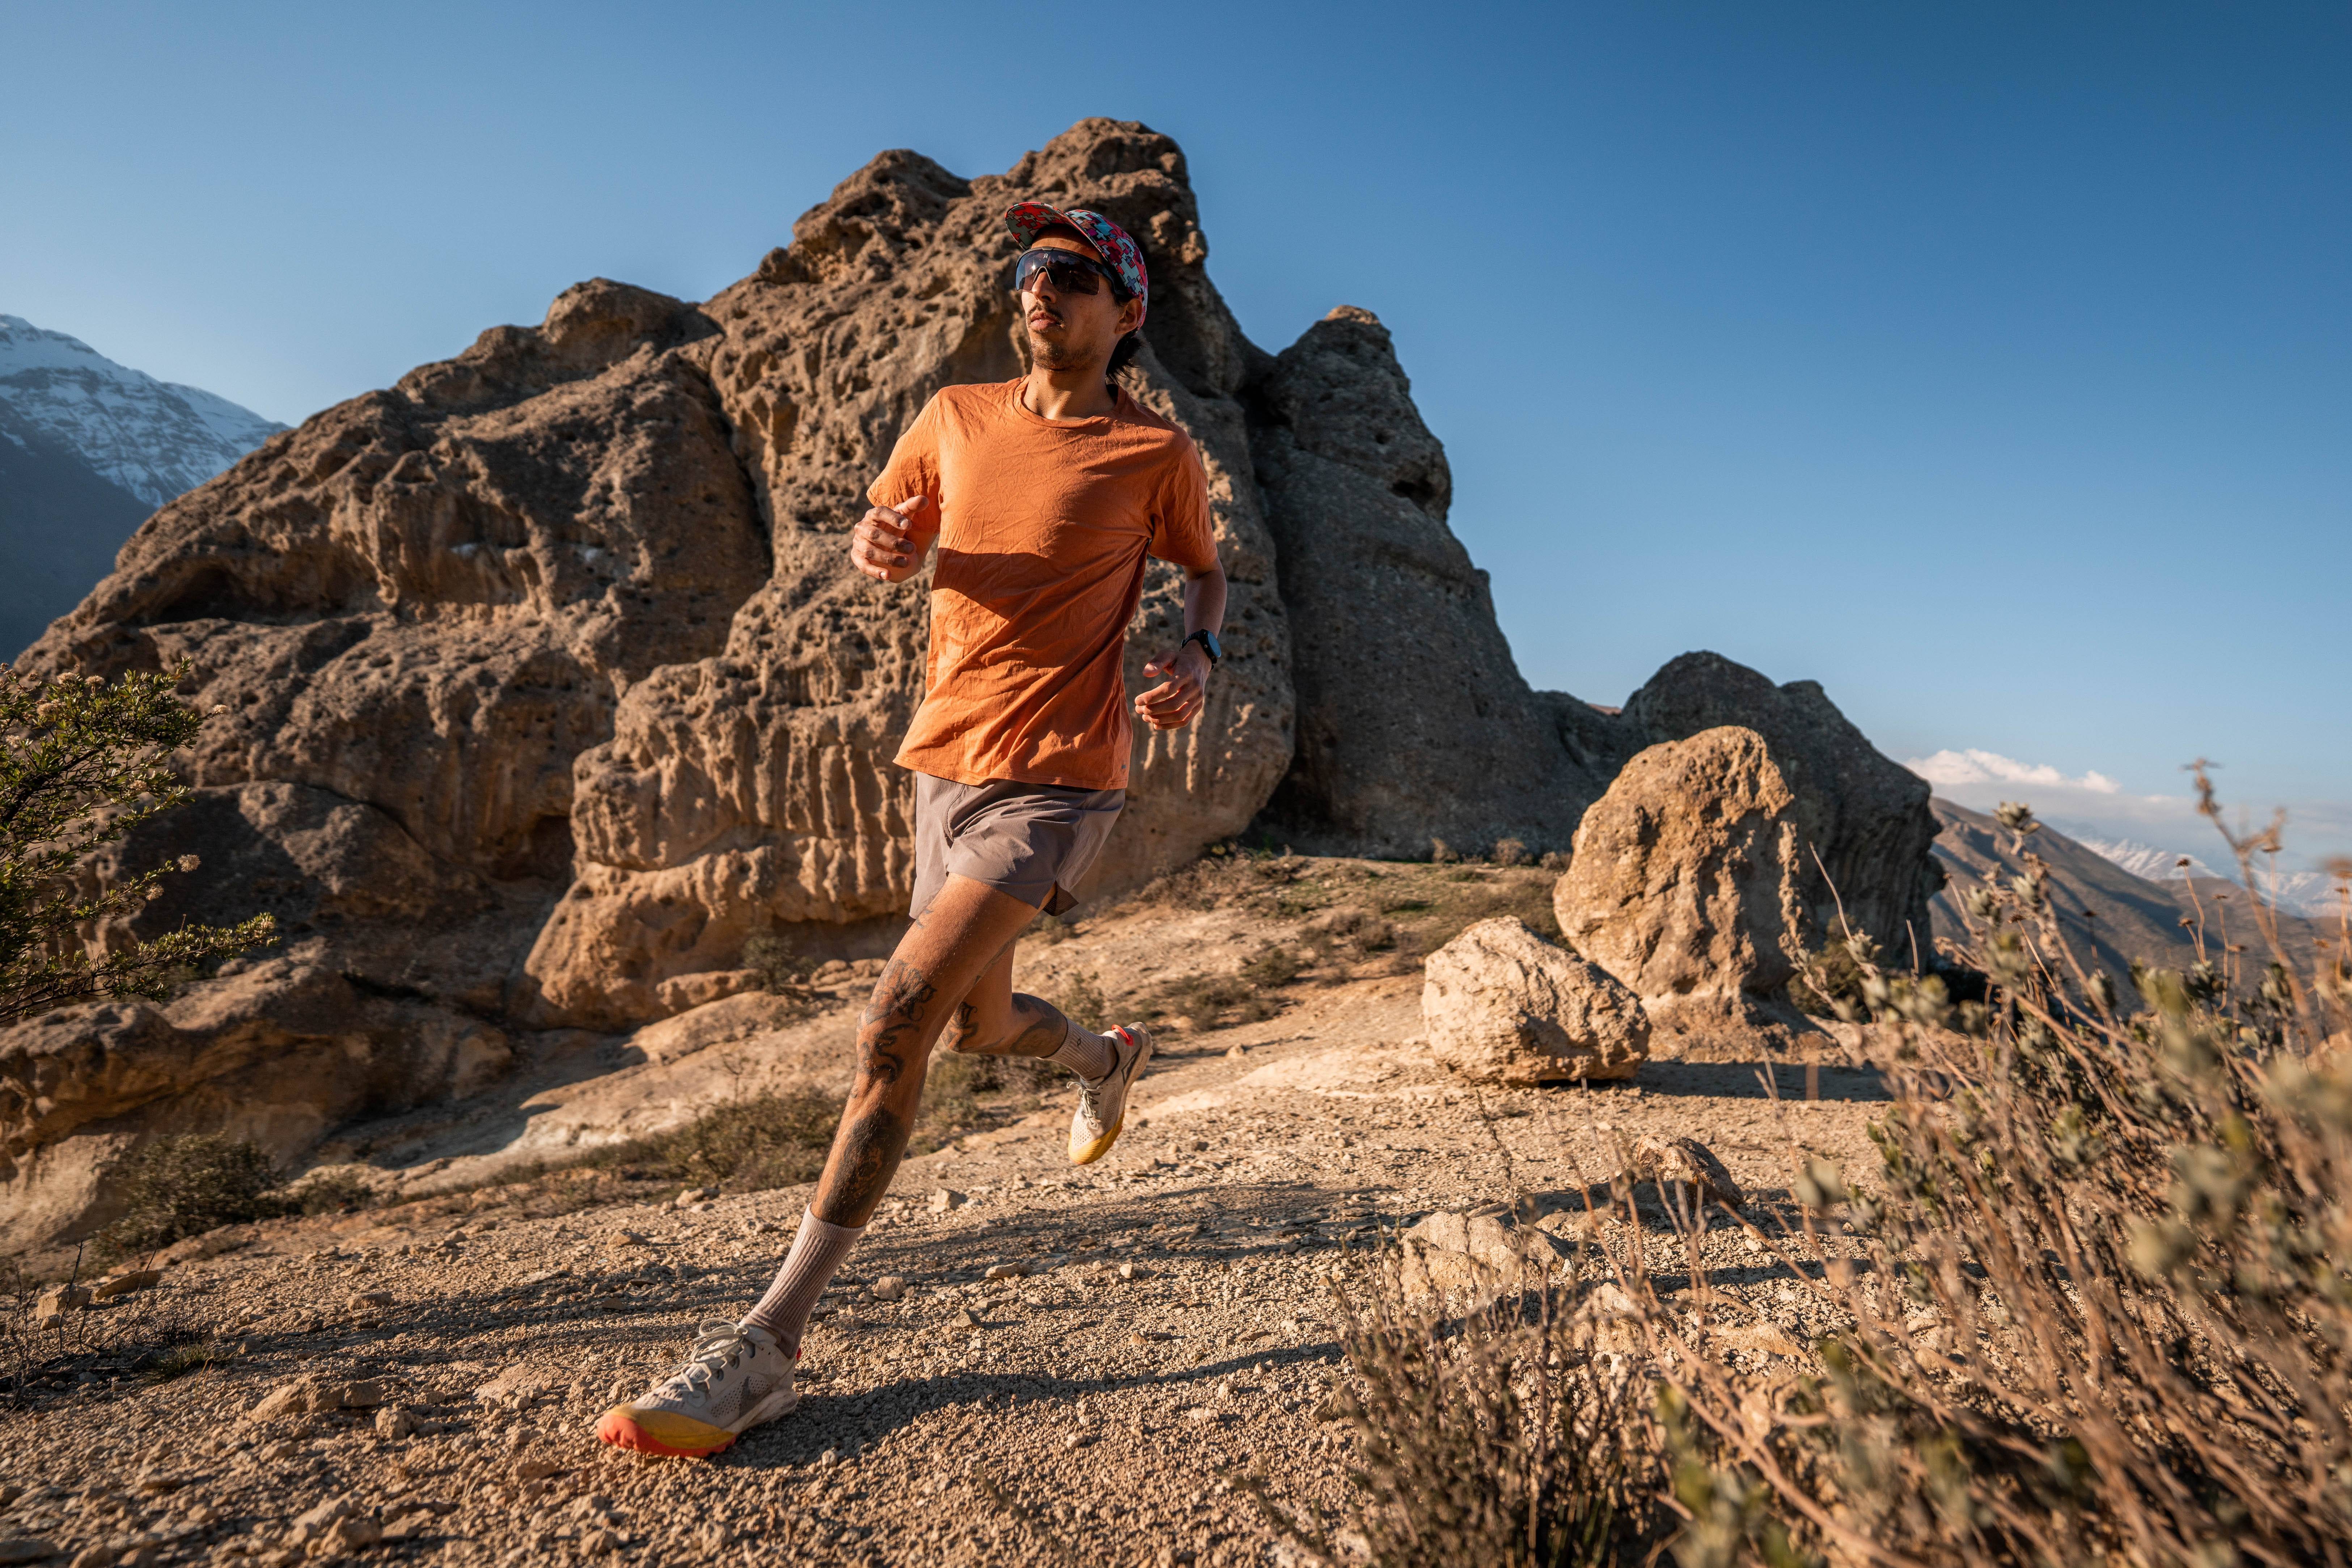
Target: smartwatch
1209,644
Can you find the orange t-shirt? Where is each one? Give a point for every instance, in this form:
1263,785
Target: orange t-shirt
1043,526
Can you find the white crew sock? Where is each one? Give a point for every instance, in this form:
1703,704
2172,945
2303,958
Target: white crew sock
816,1256
1089,1056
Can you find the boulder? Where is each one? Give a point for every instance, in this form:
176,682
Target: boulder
1402,674
1686,882
1504,1005
1868,816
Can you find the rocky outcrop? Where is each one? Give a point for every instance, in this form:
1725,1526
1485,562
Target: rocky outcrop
1502,1005
546,685
1686,882
1868,818
1414,723
755,786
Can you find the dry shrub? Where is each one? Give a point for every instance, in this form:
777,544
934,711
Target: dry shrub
761,1141
184,1185
1496,1437
2100,1310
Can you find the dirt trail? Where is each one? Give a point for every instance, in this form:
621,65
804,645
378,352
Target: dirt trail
1170,1325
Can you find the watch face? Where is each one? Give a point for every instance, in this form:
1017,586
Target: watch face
1209,644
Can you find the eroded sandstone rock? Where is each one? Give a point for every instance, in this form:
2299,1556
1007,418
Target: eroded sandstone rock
1414,723
1869,817
1504,1005
1686,882
754,788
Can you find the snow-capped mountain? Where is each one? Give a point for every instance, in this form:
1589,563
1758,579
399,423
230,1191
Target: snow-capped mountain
2309,893
154,438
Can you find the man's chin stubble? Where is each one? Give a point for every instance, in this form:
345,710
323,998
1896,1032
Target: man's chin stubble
1052,355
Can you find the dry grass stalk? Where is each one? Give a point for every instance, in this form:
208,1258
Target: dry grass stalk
2100,1310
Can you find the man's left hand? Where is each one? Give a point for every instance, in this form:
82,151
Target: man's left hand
1182,689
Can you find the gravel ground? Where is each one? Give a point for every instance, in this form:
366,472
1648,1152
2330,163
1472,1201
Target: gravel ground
1168,1324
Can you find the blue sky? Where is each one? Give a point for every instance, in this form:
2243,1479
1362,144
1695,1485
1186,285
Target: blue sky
1991,364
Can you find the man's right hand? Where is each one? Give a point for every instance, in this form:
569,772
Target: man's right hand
884,546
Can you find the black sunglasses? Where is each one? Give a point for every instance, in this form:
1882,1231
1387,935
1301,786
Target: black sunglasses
1070,272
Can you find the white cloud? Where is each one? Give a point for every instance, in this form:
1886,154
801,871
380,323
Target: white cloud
1974,767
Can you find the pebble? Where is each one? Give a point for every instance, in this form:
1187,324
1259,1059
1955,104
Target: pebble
1007,1271
124,1284
627,1238
964,1320
889,1288
943,1199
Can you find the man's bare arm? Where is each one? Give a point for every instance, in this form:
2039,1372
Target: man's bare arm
1183,690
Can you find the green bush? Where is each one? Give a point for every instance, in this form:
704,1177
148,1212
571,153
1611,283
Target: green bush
181,1186
81,763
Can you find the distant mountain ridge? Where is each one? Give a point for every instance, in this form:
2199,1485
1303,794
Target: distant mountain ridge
154,439
87,448
2310,893
2130,919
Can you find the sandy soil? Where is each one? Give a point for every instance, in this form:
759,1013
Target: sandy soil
1170,1327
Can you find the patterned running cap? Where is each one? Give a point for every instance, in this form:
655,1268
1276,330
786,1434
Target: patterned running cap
1028,219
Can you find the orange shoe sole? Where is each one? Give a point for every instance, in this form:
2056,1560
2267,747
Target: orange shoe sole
673,1437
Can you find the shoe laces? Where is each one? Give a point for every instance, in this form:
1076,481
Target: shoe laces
717,1345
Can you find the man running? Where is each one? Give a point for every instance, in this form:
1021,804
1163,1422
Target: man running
1044,495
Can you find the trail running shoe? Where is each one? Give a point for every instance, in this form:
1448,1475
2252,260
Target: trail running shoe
733,1379
1102,1106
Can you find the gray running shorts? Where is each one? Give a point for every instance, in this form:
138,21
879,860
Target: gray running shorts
1031,841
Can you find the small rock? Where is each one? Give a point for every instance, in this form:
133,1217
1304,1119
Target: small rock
964,1320
365,1395
354,1531
1685,1160
155,1483
624,1238
829,1457
599,1542
295,1397
1133,1271
393,1423
1199,1412
943,1199
889,1288
1007,1271
315,1524
59,1300
1074,1441
1236,1053
124,1284
372,1299
537,1467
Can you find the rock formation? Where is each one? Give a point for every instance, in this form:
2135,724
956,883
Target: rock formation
1502,1005
1868,815
1414,723
1687,879
549,686
755,786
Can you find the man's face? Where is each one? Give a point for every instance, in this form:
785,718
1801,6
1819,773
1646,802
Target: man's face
1068,330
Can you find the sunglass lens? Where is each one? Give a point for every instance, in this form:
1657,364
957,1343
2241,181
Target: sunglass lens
1067,274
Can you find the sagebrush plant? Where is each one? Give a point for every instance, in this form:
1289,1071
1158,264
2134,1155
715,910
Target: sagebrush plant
186,1184
2099,1308
1502,1436
82,761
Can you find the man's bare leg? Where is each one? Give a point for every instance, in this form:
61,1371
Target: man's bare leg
994,1020
965,928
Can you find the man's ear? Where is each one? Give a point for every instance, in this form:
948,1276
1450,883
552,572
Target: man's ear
1130,317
